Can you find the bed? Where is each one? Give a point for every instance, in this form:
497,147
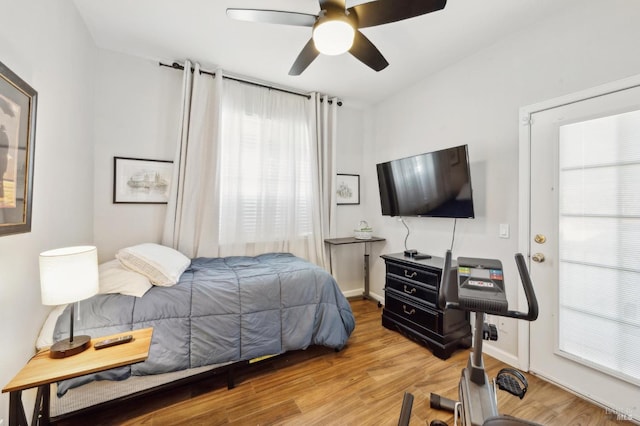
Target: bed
220,311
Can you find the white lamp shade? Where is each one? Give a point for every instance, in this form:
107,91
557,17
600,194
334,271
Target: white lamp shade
68,274
333,37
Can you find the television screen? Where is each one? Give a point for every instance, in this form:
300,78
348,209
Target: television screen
436,184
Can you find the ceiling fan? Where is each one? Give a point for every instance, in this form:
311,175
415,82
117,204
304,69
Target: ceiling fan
336,29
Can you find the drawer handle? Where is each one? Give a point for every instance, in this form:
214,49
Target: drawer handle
413,274
413,290
411,312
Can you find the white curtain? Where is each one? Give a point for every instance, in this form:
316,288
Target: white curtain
255,171
191,225
325,134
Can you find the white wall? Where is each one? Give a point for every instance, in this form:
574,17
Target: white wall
47,45
347,260
476,102
137,112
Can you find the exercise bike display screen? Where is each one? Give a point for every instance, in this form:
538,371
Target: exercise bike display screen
482,279
481,285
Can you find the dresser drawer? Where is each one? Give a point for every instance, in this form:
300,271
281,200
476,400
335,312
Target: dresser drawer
411,305
411,311
413,289
419,275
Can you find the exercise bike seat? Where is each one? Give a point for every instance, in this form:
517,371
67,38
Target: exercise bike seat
504,420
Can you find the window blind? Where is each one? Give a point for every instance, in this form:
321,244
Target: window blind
599,244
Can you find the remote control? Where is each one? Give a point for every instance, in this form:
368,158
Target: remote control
421,256
112,342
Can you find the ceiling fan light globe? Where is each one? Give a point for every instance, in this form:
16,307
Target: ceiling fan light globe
333,37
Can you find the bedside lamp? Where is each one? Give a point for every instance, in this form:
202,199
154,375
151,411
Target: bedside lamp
68,275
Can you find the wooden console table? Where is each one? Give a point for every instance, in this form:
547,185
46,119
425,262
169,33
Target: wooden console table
367,249
41,371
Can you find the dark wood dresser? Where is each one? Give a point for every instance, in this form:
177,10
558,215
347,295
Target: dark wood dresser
411,305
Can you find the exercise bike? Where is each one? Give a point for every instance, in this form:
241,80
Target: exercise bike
480,289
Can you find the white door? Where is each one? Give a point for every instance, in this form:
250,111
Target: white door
585,247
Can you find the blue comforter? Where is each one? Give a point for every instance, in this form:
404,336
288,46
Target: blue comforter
222,310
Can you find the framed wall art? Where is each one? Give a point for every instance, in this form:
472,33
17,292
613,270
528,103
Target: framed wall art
348,189
17,144
141,181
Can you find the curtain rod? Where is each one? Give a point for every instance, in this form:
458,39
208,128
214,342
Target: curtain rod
178,66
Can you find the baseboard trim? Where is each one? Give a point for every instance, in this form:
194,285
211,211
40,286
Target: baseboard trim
501,355
352,294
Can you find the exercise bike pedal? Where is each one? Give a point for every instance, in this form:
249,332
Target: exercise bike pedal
512,381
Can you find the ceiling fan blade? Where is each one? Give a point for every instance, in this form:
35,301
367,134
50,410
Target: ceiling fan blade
306,56
367,53
386,11
272,17
340,4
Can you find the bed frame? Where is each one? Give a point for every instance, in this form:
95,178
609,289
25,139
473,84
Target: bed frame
104,394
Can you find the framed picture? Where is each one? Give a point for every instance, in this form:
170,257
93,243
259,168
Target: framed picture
348,189
140,181
17,144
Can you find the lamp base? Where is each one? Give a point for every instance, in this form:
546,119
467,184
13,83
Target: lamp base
65,348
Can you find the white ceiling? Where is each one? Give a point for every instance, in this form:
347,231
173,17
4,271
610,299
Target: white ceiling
168,30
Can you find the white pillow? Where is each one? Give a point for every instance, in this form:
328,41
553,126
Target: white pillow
113,279
162,265
116,279
45,338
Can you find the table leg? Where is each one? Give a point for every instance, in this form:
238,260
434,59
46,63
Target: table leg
41,414
365,294
16,410
330,258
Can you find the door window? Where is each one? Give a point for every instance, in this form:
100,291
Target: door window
599,244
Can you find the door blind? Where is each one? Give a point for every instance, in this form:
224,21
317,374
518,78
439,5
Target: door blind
599,244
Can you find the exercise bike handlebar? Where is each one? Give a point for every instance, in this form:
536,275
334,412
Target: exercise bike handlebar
532,301
527,285
444,284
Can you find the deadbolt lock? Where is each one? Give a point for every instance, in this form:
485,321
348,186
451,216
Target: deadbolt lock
540,239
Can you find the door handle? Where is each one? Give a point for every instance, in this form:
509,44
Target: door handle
538,257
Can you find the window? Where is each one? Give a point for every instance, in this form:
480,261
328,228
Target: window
599,317
267,167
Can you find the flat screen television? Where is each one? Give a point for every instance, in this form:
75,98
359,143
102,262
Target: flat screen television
433,184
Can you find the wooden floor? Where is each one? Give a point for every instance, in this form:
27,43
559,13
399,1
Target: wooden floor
361,385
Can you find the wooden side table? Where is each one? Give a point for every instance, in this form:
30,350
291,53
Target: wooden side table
367,250
41,371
